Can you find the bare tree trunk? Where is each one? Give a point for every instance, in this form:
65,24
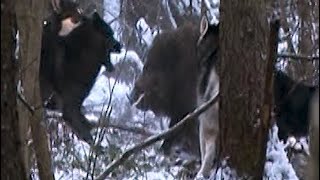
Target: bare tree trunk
12,166
24,138
29,18
243,59
312,170
304,69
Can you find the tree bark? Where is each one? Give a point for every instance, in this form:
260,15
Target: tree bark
12,166
243,42
304,69
312,169
30,15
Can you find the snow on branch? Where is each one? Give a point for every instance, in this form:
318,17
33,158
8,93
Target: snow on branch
298,56
151,140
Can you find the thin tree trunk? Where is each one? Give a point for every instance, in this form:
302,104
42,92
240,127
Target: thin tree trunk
12,166
312,170
243,59
302,68
29,16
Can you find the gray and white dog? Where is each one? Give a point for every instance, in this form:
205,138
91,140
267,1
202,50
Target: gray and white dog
208,87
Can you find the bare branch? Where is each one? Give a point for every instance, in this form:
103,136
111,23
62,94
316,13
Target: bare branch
137,148
131,129
136,130
24,102
298,56
114,19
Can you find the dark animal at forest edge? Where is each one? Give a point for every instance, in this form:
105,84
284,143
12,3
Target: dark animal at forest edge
74,46
292,101
167,85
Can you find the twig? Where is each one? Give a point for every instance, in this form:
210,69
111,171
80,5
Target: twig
24,102
137,148
298,56
136,130
114,19
132,129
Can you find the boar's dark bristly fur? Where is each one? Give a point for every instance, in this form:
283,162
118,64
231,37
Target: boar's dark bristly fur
169,80
292,101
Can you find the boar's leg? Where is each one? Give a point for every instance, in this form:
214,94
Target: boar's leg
48,96
79,124
73,99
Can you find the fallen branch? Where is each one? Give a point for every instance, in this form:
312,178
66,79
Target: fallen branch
298,56
137,148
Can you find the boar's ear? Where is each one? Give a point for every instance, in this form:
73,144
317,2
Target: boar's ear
95,16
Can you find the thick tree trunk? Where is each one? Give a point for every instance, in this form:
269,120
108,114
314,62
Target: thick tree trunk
29,18
12,166
242,70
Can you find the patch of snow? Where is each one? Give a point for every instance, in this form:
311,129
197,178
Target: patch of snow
213,7
74,174
154,176
277,164
304,143
224,172
145,31
104,89
111,13
127,55
291,141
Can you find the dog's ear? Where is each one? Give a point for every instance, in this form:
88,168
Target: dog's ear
204,24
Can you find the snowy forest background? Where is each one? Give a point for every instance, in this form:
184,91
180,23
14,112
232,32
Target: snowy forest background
136,23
